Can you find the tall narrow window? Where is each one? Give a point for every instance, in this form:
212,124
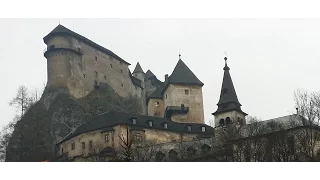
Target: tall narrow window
121,71
90,144
165,125
150,123
84,76
107,138
83,144
134,121
111,65
96,73
96,58
203,129
186,92
166,96
121,85
105,77
73,146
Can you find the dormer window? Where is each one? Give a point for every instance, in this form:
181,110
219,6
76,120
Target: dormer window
203,129
134,121
165,125
150,123
189,127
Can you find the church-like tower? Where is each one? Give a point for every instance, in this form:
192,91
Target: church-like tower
229,108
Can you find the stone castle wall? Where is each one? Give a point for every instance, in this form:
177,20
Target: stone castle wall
80,73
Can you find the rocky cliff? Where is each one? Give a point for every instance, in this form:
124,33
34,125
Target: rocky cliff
56,115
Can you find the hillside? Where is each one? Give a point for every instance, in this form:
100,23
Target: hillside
56,115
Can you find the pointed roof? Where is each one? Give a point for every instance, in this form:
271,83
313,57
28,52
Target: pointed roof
228,92
183,75
138,69
228,97
61,30
149,74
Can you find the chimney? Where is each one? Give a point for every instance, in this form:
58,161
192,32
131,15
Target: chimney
166,77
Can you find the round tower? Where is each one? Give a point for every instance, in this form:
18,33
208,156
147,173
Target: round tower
61,51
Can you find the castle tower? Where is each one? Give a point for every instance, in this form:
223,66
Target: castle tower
182,95
60,52
139,73
229,108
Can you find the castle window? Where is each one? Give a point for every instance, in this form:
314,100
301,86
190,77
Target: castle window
73,145
137,137
166,97
189,128
186,92
150,123
84,76
90,145
203,129
159,156
165,125
105,77
83,144
228,121
121,71
96,58
121,85
96,73
221,122
61,150
157,103
134,121
111,65
107,138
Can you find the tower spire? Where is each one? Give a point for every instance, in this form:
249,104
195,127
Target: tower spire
228,96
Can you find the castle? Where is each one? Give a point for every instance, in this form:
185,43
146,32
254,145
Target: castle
171,111
80,65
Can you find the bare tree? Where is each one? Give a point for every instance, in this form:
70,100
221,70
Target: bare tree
21,101
126,150
308,107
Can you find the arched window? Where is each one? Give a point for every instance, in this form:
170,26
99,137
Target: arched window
228,121
221,122
159,156
205,148
173,155
191,151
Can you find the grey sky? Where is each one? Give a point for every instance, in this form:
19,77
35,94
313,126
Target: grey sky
268,58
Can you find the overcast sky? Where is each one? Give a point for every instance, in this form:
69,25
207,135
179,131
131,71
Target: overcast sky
268,58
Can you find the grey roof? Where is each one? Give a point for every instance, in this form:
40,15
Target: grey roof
228,92
111,119
273,125
183,75
135,80
228,97
138,69
65,31
157,93
149,74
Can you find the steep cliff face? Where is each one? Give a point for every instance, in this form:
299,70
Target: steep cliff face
56,115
